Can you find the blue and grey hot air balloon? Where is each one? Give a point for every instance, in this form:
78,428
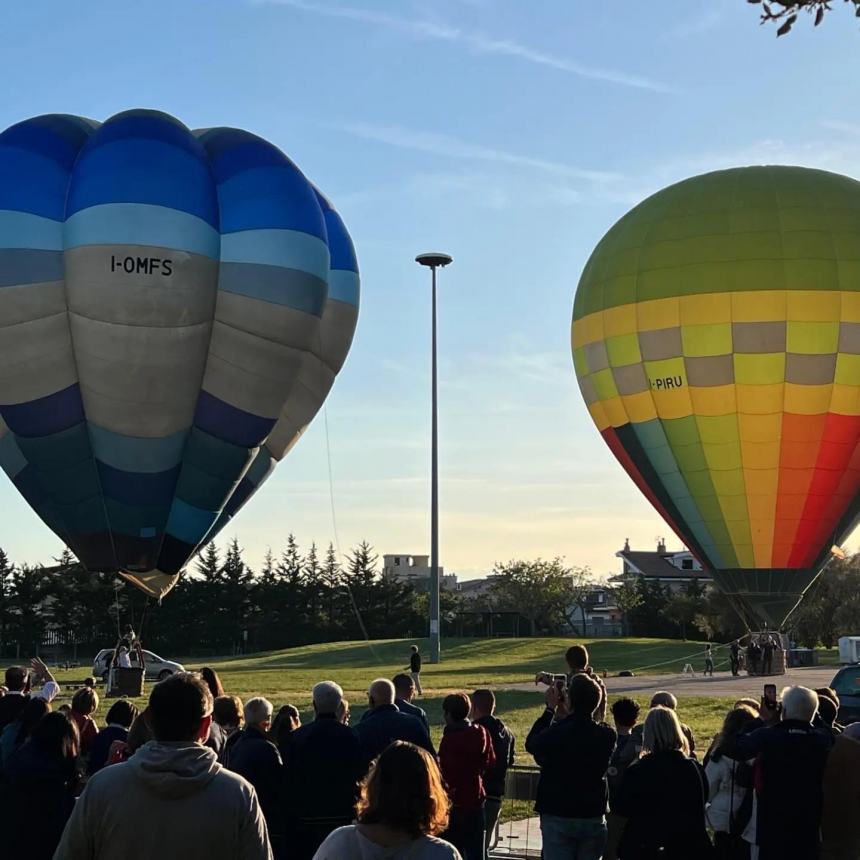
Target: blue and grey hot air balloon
174,308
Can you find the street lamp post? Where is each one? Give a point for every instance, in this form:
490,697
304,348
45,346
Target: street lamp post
434,261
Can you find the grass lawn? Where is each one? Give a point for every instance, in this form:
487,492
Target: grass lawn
288,676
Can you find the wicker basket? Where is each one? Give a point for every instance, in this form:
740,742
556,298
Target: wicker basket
127,682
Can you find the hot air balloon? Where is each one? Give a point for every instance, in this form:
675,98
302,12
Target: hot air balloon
174,307
716,341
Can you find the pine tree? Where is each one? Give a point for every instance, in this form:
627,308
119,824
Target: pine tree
209,564
6,573
332,577
313,582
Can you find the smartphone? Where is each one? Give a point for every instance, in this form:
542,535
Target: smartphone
770,695
559,686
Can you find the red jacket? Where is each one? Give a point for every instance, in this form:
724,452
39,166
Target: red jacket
465,755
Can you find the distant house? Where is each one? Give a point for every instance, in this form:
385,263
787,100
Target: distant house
674,570
602,615
415,570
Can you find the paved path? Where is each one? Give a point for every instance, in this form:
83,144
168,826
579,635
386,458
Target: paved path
722,683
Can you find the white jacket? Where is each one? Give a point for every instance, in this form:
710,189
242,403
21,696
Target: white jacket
722,797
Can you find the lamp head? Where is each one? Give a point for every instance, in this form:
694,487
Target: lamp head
434,259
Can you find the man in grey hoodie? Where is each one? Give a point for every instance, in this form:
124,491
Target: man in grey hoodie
171,800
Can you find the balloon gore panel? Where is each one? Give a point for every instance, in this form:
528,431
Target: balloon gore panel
170,303
716,341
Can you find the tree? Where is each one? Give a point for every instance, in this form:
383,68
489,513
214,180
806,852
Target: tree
208,563
785,12
332,577
627,599
682,609
580,586
6,591
536,589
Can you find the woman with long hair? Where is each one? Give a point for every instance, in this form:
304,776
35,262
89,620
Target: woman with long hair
85,703
402,807
38,789
662,797
19,730
213,682
729,781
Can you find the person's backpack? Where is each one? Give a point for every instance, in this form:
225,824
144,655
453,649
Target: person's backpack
622,758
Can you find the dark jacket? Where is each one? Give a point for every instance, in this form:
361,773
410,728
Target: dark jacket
10,708
789,773
415,662
100,749
385,724
217,738
663,798
465,755
259,761
573,755
412,710
323,769
36,800
503,746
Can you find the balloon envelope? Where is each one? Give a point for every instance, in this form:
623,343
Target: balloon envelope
716,340
174,307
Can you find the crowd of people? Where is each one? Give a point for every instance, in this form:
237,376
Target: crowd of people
200,774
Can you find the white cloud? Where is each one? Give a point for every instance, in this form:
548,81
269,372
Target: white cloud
477,42
452,147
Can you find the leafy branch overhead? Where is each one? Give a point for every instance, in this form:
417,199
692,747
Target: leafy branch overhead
785,13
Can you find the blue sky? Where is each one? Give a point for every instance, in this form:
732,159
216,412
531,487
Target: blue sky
509,134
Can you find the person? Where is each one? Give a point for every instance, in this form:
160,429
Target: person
840,824
415,669
628,748
825,719
139,733
662,798
465,755
287,720
573,753
123,656
37,792
227,712
193,808
753,657
324,766
257,759
735,657
17,732
791,755
90,681
484,714
404,693
767,654
213,682
577,660
709,661
665,699
384,724
18,683
729,780
119,719
85,703
401,809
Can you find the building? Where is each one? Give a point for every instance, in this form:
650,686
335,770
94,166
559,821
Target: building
415,570
674,570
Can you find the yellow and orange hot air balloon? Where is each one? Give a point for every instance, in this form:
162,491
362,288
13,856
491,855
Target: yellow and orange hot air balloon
716,340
